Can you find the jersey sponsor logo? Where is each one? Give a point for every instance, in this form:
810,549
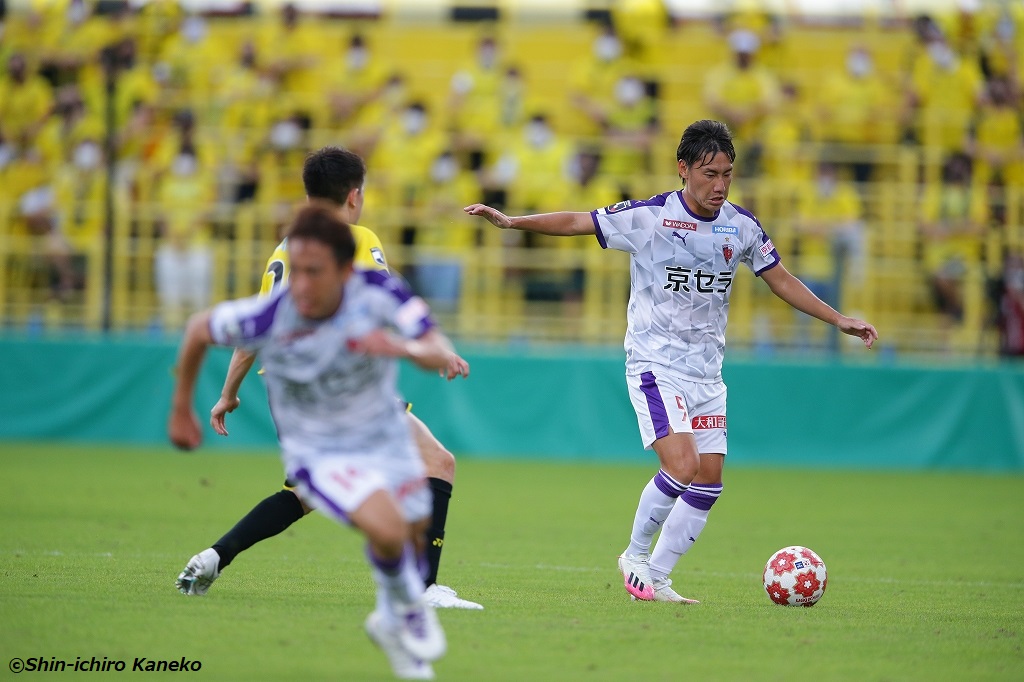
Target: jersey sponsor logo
378,256
295,335
621,206
767,248
727,252
678,278
725,229
708,421
679,224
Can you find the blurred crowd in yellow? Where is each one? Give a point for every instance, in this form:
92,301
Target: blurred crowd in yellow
878,152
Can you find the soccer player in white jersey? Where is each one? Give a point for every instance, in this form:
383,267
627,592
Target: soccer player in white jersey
328,343
685,247
337,176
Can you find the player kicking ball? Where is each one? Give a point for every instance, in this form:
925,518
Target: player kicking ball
328,343
685,247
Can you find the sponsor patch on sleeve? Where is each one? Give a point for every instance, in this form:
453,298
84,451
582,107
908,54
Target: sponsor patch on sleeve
378,256
621,206
767,248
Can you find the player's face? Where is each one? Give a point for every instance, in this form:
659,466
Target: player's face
707,185
316,279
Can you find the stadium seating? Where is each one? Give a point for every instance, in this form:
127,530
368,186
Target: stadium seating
495,303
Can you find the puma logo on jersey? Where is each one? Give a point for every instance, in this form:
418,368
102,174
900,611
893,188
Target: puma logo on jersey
679,236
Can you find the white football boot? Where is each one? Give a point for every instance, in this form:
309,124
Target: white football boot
663,592
403,664
636,574
199,573
420,631
444,597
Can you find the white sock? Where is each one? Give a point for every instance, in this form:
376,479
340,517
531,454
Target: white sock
398,582
683,526
656,501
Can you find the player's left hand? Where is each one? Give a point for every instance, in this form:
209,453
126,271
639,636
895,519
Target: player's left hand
859,328
183,429
457,367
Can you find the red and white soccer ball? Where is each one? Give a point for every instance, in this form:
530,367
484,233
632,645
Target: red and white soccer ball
795,576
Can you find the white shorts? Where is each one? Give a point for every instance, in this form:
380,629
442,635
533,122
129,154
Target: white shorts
337,485
665,401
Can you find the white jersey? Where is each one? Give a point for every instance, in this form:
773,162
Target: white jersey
324,398
681,272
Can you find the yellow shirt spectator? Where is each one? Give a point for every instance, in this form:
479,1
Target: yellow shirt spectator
947,90
25,100
825,209
998,138
952,216
740,92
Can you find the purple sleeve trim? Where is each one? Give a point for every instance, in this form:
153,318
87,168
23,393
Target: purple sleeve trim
769,267
262,321
390,282
743,211
597,230
656,200
427,324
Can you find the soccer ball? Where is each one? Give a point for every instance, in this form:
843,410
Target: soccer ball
795,576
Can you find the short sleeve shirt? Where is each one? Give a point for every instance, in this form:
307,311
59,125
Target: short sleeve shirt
324,398
681,273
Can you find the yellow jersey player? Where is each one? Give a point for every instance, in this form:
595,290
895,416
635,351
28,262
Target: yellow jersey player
369,256
335,175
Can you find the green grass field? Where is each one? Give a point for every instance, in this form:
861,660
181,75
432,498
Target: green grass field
926,574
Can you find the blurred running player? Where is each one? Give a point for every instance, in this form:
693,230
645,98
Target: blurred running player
328,343
337,176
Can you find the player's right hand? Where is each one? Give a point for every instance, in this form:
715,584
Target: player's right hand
183,429
457,367
493,215
223,406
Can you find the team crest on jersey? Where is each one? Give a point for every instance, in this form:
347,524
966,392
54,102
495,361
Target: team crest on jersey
621,206
679,224
378,256
727,252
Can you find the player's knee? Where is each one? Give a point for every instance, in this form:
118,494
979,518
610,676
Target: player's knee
681,465
305,507
440,462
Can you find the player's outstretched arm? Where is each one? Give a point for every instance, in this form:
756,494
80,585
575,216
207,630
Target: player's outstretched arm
794,292
183,425
241,362
560,224
433,350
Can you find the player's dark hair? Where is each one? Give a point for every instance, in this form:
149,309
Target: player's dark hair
319,221
702,140
331,173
